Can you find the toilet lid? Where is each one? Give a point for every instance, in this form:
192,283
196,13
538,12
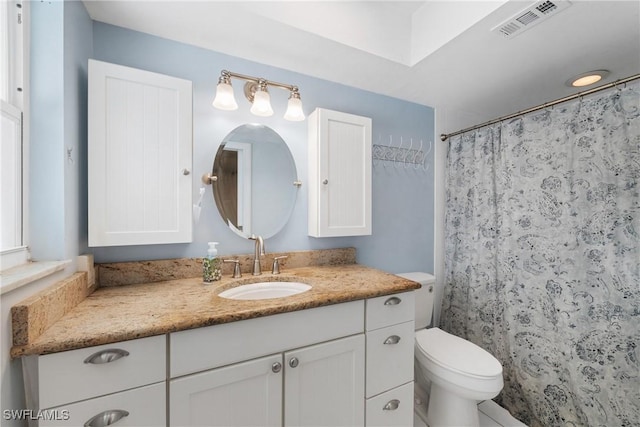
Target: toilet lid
457,354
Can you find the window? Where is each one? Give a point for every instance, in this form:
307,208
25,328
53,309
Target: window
13,48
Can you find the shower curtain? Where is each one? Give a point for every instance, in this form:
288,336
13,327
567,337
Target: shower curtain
542,257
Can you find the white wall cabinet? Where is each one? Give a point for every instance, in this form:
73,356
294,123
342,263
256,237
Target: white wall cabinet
139,157
339,174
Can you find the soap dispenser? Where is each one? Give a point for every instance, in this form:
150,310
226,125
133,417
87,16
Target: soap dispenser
211,265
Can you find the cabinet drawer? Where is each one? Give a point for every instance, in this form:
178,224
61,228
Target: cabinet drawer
389,310
389,357
392,408
144,406
68,376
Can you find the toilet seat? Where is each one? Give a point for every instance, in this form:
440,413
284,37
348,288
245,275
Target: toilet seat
456,354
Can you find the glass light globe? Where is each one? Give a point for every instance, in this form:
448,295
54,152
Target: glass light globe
224,99
262,104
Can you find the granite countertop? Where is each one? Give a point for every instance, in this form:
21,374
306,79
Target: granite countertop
119,313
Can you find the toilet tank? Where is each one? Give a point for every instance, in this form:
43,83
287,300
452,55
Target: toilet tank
424,297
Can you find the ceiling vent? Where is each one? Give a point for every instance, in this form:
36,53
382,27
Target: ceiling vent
527,18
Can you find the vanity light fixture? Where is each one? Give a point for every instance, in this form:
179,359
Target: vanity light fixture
586,79
256,91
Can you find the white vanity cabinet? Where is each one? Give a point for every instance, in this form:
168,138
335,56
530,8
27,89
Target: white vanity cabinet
124,381
139,157
314,376
339,174
346,364
390,335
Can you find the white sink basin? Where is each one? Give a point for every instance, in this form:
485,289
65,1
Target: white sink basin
265,290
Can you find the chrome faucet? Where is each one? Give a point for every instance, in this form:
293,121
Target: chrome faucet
258,252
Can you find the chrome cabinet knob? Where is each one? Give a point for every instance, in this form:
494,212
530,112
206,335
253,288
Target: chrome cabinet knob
276,367
293,362
325,182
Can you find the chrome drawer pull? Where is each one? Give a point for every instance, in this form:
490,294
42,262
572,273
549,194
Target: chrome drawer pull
106,356
392,405
393,301
393,339
106,418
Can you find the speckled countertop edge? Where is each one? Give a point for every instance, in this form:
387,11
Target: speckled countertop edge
121,313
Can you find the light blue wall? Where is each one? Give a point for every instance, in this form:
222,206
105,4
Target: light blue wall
61,43
78,48
46,156
402,237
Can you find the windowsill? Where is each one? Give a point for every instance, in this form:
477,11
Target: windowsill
22,275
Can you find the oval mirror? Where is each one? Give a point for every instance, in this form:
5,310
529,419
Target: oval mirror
255,181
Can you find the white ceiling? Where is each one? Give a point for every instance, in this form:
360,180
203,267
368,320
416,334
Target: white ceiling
437,53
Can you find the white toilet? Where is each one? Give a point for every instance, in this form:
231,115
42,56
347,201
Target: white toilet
456,373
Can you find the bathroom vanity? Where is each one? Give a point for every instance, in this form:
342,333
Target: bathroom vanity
175,353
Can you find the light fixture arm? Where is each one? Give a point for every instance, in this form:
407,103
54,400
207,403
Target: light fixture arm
257,80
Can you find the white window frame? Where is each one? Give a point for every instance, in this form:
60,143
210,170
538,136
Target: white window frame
14,94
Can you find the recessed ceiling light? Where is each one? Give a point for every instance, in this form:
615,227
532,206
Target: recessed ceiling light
586,79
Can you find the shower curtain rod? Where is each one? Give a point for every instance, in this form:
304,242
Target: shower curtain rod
444,137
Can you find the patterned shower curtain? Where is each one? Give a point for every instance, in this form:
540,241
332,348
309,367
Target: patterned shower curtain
543,257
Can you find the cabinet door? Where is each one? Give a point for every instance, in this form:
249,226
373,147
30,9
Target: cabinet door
244,394
324,384
144,406
339,174
140,157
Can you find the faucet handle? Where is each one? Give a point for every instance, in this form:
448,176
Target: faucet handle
276,264
236,269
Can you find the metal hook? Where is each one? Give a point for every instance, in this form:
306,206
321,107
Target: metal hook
407,155
418,157
376,157
388,151
425,166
